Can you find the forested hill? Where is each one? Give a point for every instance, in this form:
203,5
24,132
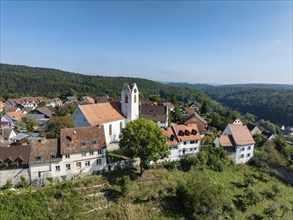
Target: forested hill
272,102
275,105
17,80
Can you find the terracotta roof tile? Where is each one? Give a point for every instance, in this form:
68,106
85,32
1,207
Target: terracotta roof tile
15,116
171,137
44,151
226,141
186,132
241,134
89,99
101,112
81,139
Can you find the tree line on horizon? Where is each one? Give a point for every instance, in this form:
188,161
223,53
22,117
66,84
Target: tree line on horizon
267,103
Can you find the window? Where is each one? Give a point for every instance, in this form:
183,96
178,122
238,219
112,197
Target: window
78,165
83,154
83,143
134,98
196,142
99,161
126,98
87,163
185,143
173,148
242,156
249,147
121,125
162,122
38,157
192,142
99,151
68,145
94,141
248,155
67,156
52,156
67,166
91,152
242,149
57,168
110,129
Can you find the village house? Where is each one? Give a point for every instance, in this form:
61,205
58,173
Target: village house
12,117
24,102
199,121
80,151
88,100
155,113
253,129
54,102
112,115
194,106
14,163
182,140
43,115
237,141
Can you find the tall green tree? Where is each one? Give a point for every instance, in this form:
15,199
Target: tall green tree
55,124
144,139
28,122
204,107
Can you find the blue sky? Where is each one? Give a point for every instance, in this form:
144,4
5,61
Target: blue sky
218,42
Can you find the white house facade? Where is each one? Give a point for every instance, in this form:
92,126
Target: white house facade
182,140
236,139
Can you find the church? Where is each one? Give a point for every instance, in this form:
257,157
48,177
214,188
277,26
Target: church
112,115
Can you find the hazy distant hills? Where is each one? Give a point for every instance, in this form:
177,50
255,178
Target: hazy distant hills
247,85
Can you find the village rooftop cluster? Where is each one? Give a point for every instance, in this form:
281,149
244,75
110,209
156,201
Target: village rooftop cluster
84,149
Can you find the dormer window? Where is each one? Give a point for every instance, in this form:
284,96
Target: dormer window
94,141
187,132
193,132
52,156
181,133
38,158
69,138
83,143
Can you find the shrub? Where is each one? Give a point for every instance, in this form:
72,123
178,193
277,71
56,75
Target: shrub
187,162
23,182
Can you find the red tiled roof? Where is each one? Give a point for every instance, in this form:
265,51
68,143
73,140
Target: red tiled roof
226,141
241,134
186,132
15,116
101,112
171,137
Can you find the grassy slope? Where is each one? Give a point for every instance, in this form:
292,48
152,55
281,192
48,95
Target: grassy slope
143,201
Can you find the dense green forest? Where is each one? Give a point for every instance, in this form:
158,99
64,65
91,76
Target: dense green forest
268,101
271,102
275,105
16,81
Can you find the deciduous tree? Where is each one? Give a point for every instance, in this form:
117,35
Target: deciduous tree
144,139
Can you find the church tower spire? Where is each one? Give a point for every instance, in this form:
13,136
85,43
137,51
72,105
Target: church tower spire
130,102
